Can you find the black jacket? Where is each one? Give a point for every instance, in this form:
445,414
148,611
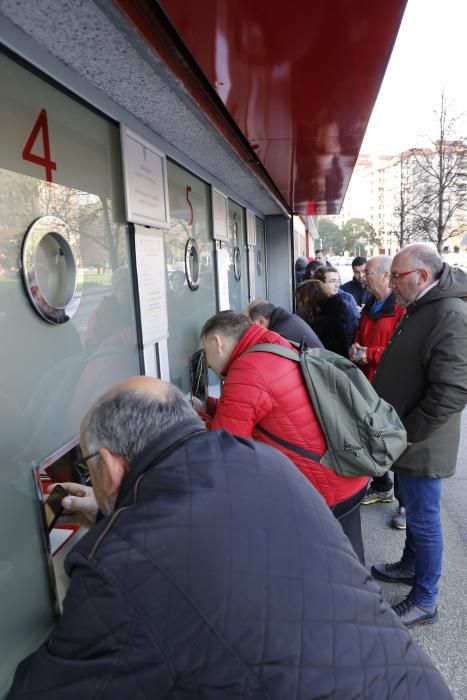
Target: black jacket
423,374
359,292
292,327
330,325
222,575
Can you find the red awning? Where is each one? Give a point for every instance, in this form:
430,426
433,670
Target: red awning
298,78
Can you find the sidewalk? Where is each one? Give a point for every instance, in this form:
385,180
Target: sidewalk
446,640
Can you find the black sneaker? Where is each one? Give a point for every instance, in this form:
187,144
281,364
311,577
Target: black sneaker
392,573
373,496
398,521
411,614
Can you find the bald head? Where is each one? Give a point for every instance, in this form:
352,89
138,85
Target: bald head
413,269
421,256
132,414
259,311
150,386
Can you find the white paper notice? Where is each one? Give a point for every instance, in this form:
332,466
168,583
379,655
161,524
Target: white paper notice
219,216
150,266
145,181
223,264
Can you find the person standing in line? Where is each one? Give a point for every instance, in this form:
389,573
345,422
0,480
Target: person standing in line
311,269
321,257
300,267
423,374
325,313
357,285
329,276
378,321
288,325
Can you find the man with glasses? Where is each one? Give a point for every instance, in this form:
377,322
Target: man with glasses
380,317
423,374
216,571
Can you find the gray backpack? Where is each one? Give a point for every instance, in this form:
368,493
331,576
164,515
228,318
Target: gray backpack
364,434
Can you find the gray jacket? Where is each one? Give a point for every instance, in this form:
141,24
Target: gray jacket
423,374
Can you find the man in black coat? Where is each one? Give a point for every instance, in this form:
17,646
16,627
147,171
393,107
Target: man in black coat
288,325
217,572
356,287
423,374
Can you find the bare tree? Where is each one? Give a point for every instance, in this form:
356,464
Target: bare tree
440,176
405,228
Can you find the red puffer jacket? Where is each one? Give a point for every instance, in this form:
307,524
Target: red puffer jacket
375,330
266,389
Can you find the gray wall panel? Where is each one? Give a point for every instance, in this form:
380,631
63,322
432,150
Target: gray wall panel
279,260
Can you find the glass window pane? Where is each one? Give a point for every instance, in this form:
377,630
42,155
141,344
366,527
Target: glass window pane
49,374
188,309
237,250
260,262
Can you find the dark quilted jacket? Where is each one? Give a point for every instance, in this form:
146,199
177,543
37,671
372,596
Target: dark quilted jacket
292,327
222,575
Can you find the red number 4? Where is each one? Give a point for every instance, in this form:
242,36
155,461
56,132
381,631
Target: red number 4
45,160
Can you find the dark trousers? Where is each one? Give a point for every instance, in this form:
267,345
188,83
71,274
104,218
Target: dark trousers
384,483
348,514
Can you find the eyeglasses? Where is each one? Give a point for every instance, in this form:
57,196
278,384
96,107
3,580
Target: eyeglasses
91,456
395,275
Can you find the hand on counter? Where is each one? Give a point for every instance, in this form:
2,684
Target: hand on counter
81,500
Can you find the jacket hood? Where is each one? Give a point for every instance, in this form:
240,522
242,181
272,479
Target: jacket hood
300,263
279,315
452,284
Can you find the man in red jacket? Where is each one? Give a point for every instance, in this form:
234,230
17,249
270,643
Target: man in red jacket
379,319
264,397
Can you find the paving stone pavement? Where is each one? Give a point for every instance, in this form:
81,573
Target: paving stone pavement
446,640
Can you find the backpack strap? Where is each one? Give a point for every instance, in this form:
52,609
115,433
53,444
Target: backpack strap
289,446
276,350
289,355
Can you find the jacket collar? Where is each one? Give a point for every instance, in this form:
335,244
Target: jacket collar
155,451
388,308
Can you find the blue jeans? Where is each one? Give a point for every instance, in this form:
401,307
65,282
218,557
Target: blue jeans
423,551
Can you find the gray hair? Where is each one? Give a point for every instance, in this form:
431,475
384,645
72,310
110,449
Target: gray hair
425,257
260,307
384,262
232,324
125,422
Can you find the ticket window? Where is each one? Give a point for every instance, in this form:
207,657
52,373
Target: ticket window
60,168
60,530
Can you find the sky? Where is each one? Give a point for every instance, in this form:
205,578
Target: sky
430,54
